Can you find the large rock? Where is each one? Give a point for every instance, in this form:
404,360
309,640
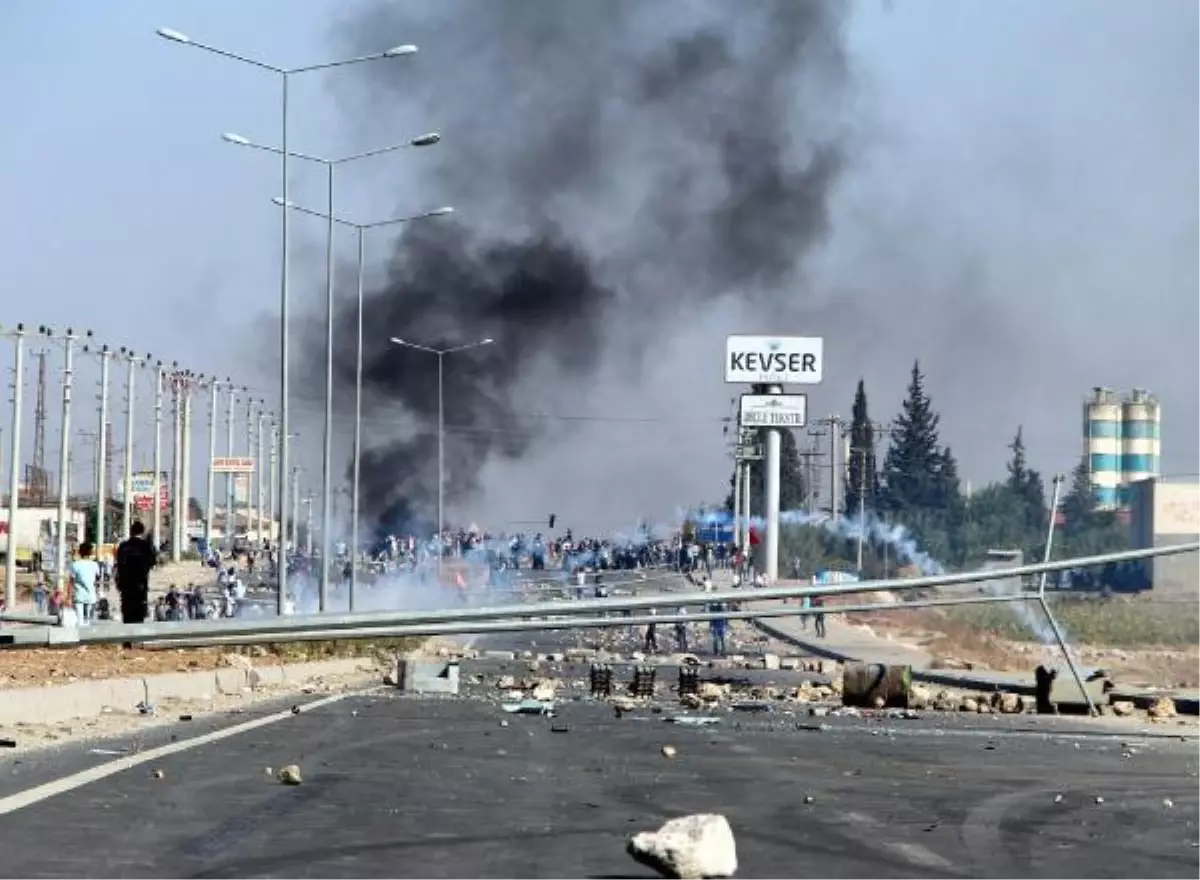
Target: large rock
1163,707
236,661
919,697
1123,707
690,848
1009,704
544,690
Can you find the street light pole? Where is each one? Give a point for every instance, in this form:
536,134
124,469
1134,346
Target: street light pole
425,140
284,74
14,468
361,228
441,353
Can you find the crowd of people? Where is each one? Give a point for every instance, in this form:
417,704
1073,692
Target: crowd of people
580,562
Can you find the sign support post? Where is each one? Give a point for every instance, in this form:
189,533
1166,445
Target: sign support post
768,363
771,502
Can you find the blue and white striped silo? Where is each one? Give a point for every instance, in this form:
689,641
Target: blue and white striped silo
1141,443
1102,443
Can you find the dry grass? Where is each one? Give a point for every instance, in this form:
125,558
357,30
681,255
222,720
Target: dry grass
1109,623
299,652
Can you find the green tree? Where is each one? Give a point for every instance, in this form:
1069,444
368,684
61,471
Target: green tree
862,481
1026,485
910,468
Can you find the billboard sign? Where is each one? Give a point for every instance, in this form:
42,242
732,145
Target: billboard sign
773,410
232,465
774,360
142,486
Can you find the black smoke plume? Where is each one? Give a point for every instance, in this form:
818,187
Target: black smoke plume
617,167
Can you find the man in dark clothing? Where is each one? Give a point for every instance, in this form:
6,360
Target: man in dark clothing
135,558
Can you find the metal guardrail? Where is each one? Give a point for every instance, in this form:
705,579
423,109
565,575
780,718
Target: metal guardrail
281,629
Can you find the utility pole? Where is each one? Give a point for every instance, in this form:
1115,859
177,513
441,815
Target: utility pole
102,448
214,386
185,477
176,463
230,485
308,525
295,508
260,469
249,477
132,362
159,380
64,459
275,537
39,482
14,468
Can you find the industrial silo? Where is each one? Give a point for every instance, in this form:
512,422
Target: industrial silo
1141,421
1102,442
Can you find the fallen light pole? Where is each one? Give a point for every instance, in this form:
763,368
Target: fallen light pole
510,625
280,629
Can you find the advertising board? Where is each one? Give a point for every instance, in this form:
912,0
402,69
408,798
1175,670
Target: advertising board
774,360
773,410
232,465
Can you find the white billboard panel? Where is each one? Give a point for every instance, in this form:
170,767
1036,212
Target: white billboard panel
773,410
232,465
774,360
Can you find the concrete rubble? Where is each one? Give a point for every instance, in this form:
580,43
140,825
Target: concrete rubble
690,848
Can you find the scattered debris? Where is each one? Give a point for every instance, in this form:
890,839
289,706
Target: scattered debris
689,848
693,720
506,683
158,774
295,710
529,707
1123,707
504,722
185,717
669,751
559,728
145,708
1099,799
107,751
6,743
1058,799
969,704
290,775
1168,803
808,799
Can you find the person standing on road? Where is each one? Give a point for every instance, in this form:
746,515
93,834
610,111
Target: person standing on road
651,646
135,558
818,604
85,572
681,631
717,628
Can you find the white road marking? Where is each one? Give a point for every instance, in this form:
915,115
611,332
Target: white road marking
47,790
919,855
914,853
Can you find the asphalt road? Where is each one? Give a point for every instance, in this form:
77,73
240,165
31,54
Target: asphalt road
398,786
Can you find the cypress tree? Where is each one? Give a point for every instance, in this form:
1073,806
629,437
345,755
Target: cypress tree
913,459
862,481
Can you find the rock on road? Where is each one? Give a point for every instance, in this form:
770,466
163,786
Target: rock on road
405,786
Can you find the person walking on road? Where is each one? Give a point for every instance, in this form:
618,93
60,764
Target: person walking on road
135,558
818,604
651,646
681,631
85,572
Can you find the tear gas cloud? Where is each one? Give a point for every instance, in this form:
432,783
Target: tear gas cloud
561,254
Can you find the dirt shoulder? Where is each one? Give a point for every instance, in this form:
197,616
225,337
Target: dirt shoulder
1139,642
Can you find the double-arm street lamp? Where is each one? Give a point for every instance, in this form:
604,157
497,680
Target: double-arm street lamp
424,140
284,74
360,228
441,355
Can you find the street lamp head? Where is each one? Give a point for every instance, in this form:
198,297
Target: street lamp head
396,340
394,52
232,138
173,36
487,341
426,140
441,212
282,203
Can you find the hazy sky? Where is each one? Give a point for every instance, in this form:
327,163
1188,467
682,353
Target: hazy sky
1021,215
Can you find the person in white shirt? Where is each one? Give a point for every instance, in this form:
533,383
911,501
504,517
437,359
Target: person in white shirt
84,573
